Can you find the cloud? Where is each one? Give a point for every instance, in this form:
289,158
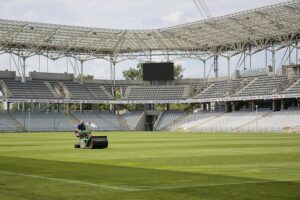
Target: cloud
124,14
173,18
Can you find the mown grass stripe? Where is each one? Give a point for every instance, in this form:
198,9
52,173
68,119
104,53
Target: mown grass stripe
142,188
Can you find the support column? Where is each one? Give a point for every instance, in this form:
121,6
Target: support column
24,70
266,56
290,55
228,65
282,104
216,65
226,107
274,105
204,106
8,107
23,106
233,106
18,106
204,71
252,106
297,56
81,71
273,61
80,107
114,73
110,73
244,61
250,56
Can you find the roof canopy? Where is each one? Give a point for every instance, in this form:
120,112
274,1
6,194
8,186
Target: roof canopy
265,26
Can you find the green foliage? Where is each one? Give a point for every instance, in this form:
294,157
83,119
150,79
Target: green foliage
85,77
133,73
26,105
137,73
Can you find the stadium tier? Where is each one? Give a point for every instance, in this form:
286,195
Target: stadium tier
241,121
218,89
157,93
264,120
188,90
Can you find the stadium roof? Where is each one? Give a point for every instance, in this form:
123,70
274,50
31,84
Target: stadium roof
265,26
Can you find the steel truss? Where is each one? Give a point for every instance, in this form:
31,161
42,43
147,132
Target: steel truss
272,27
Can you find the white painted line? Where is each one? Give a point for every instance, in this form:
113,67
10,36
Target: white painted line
214,184
68,181
141,188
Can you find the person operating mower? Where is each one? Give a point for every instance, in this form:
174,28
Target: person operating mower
86,141
83,134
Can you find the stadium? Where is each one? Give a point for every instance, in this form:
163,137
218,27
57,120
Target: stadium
220,136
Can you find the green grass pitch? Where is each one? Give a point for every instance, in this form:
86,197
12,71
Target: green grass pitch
155,165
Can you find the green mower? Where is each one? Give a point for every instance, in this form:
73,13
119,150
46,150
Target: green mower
87,141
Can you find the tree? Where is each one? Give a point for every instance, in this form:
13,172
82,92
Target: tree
137,73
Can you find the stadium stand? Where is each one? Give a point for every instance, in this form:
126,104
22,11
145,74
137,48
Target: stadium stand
167,92
263,85
132,118
41,121
275,122
294,88
28,90
218,89
105,121
8,123
166,118
242,121
87,91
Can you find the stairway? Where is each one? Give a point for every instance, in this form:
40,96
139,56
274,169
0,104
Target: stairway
122,122
252,121
53,91
13,121
208,120
248,85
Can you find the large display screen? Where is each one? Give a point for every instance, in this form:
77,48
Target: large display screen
158,71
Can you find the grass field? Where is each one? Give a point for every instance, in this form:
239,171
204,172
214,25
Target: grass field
151,166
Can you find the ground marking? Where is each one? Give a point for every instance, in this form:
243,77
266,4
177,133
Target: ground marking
140,188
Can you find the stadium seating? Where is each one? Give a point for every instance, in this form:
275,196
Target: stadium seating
287,120
87,91
218,89
167,118
132,118
105,121
156,92
295,88
41,121
264,85
262,121
29,90
8,123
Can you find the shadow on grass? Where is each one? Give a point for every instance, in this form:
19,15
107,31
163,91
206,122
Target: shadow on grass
210,186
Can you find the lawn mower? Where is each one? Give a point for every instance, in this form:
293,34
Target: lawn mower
88,141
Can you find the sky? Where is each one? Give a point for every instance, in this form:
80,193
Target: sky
124,14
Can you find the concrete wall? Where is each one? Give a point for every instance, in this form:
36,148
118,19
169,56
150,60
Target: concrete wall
141,124
51,76
8,74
